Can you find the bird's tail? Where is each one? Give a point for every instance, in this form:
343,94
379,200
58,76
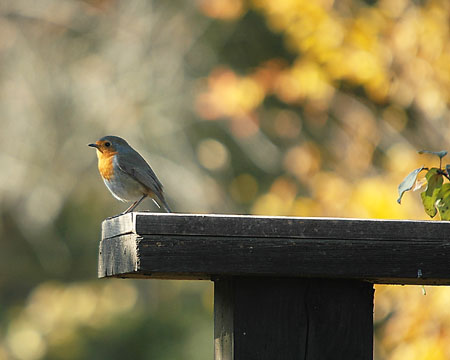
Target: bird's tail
160,201
163,203
166,205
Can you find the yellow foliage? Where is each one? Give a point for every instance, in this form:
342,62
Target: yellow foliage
399,53
361,49
230,95
222,9
419,327
303,160
271,205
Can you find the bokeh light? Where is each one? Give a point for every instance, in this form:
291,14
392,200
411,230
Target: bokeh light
300,108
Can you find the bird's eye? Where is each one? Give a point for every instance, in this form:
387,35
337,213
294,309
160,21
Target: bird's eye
107,144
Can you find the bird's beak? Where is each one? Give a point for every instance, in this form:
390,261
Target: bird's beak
95,146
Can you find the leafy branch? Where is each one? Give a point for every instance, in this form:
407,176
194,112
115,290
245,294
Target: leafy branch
436,196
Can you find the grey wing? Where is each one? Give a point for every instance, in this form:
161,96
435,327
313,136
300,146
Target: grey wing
137,168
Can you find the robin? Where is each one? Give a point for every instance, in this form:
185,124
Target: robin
126,174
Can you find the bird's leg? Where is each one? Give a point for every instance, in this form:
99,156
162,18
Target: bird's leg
133,206
130,208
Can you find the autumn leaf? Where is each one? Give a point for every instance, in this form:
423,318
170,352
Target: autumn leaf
441,154
443,203
430,195
407,183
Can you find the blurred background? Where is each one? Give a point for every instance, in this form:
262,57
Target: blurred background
302,108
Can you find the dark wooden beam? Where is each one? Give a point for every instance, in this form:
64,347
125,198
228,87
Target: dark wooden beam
292,319
182,246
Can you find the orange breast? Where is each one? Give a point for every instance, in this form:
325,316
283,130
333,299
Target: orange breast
105,164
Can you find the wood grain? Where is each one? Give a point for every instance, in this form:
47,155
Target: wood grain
292,319
204,246
275,226
118,256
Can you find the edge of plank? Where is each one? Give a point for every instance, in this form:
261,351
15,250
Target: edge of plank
149,223
119,225
283,226
118,255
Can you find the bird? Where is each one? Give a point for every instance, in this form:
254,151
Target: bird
126,174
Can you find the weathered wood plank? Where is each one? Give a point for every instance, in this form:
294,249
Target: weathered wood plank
383,262
200,247
224,300
286,318
118,256
272,226
118,225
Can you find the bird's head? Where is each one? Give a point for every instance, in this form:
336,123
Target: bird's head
109,145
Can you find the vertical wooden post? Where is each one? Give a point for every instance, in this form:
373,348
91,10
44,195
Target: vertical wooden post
266,318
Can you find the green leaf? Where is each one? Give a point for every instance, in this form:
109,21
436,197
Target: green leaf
407,183
441,154
443,203
430,195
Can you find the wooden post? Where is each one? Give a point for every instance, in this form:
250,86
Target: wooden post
291,318
285,288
